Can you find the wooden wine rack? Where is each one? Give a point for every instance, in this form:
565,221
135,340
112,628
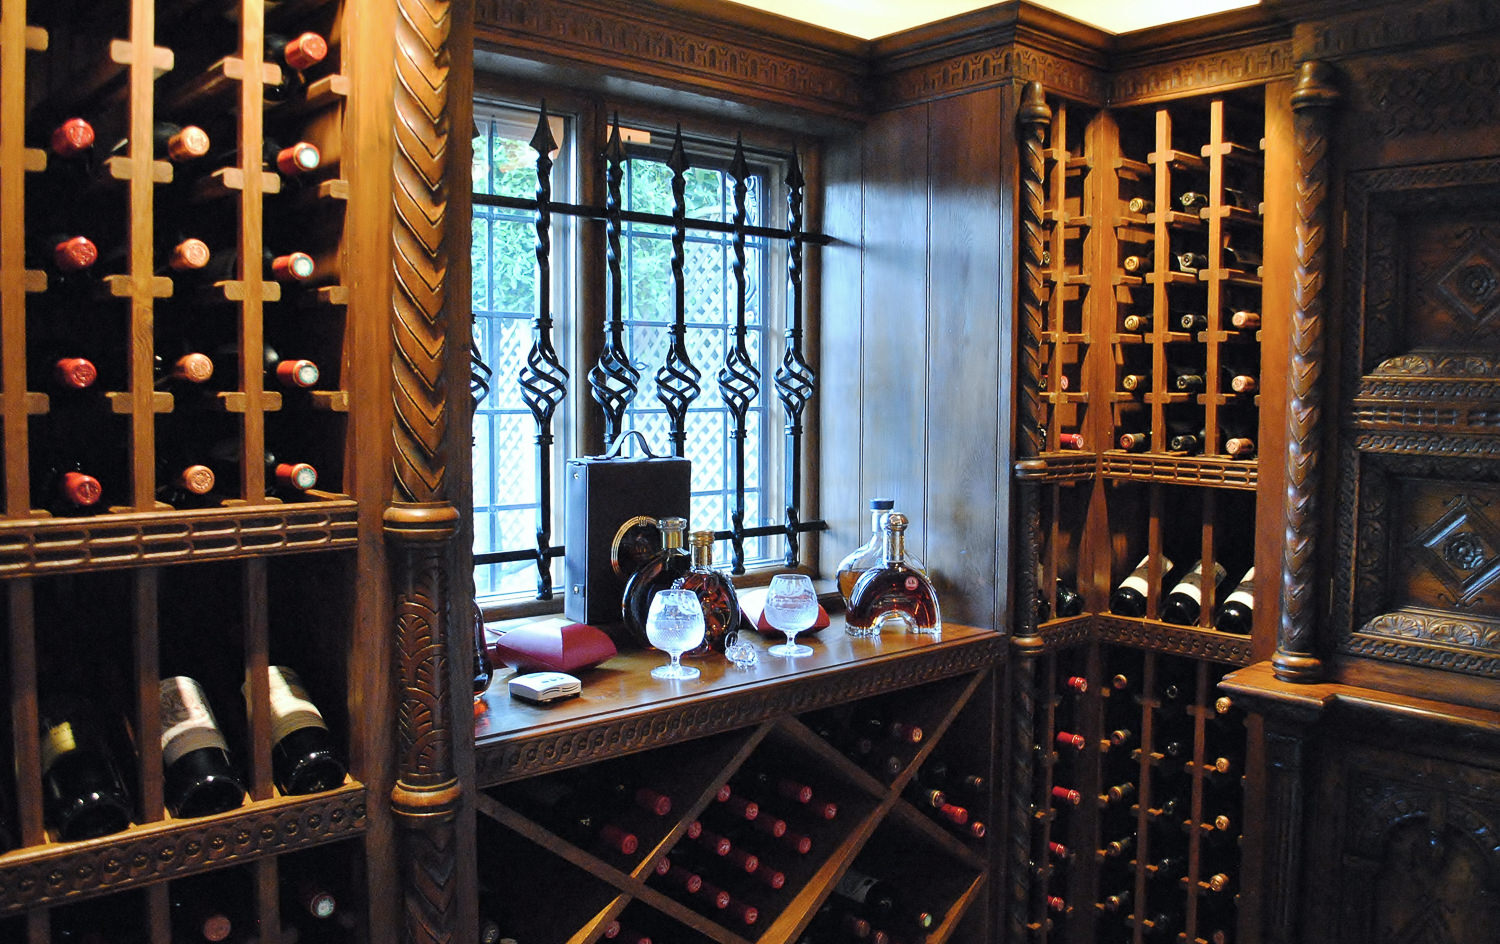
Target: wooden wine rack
691,745
1100,509
258,569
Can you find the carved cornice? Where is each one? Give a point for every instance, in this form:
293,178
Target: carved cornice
1426,444
51,874
738,55
530,755
1206,72
1392,25
987,68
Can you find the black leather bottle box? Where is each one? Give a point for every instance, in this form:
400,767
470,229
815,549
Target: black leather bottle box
610,525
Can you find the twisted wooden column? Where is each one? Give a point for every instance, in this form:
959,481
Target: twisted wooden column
421,520
1313,101
1034,118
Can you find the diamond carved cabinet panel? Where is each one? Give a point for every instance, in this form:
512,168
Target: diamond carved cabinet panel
1418,574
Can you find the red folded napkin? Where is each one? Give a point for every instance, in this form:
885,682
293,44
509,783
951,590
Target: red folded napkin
753,603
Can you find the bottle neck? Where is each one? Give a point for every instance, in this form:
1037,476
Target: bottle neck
877,521
671,540
895,546
703,556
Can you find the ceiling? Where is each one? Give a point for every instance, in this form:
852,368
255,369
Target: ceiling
869,19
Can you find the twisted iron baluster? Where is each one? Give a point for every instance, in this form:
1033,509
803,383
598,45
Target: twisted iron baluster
479,374
677,379
544,381
739,379
614,378
795,380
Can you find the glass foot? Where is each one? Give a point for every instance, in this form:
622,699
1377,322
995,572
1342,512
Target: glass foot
790,649
674,672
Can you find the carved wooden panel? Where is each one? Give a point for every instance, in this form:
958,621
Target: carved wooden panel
1418,535
1419,861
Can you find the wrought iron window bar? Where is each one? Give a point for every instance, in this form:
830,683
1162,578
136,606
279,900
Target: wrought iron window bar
613,379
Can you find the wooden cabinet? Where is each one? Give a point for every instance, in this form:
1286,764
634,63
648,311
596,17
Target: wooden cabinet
823,721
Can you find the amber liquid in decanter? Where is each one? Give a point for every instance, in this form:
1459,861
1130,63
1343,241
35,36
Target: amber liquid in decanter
658,573
894,592
721,606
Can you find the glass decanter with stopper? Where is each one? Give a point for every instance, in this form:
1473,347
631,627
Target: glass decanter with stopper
656,574
721,606
869,555
893,592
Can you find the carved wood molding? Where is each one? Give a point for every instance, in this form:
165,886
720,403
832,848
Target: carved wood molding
1022,771
1433,98
171,850
1286,791
1229,68
421,521
1312,104
530,755
1201,644
1385,26
971,70
678,47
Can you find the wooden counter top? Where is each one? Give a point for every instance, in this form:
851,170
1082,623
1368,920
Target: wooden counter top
622,709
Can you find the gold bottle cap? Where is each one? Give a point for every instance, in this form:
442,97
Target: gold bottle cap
671,531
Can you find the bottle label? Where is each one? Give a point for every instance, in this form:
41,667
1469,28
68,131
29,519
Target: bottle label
187,723
1191,586
1244,592
855,886
57,741
291,708
1137,579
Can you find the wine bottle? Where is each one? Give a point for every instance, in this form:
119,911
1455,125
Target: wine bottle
715,593
658,573
184,486
574,814
1192,201
1135,441
1119,848
1187,378
1240,379
69,490
281,476
1069,601
1117,903
1238,255
1238,609
1185,601
1066,795
290,268
483,668
204,907
1184,438
71,139
293,160
71,374
1071,740
1137,324
187,369
1190,321
1076,683
83,791
1190,262
1139,263
1139,205
307,896
1118,794
179,144
1129,598
67,256
878,901
1242,320
1059,851
1136,383
199,778
299,52
1065,441
1241,198
876,721
304,758
1239,444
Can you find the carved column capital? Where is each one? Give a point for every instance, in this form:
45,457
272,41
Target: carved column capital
1312,100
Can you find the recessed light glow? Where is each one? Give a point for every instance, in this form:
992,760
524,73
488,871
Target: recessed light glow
869,19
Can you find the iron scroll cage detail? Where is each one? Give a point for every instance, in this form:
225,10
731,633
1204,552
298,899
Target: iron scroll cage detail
544,381
614,379
795,380
677,381
739,378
